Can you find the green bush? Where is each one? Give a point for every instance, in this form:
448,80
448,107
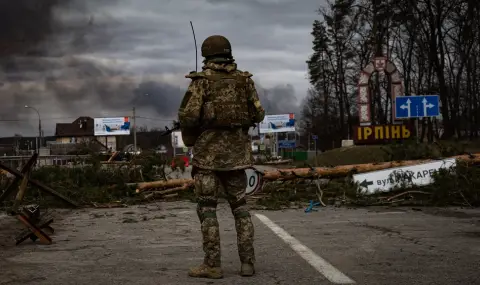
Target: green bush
459,186
93,181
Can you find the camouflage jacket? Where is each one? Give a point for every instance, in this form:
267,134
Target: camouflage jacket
218,149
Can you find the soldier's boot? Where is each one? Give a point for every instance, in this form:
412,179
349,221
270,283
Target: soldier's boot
245,234
247,269
205,271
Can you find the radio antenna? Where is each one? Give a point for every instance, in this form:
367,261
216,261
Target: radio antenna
196,50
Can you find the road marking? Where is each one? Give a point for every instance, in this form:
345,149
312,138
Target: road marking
386,213
321,265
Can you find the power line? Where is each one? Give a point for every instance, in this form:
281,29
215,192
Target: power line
155,119
35,119
65,118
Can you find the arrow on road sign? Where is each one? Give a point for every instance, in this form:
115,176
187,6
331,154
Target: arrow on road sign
426,105
407,106
366,183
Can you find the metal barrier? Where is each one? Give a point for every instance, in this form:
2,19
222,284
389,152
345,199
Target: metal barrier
46,160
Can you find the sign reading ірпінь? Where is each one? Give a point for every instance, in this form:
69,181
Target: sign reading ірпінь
387,179
381,133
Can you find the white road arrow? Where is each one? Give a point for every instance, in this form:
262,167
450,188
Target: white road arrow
425,106
407,106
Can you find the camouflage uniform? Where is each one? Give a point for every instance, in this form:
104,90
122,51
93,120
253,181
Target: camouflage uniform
220,155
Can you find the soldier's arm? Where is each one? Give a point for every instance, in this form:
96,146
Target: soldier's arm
189,113
258,111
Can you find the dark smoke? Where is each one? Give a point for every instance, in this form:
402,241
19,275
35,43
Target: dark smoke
163,98
25,24
41,42
39,65
36,28
280,99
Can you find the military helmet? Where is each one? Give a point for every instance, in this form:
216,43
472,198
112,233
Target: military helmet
216,45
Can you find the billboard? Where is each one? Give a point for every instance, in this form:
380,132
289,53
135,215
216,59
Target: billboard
116,126
177,141
277,124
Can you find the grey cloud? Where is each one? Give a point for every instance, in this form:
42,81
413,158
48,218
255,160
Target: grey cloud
163,98
92,56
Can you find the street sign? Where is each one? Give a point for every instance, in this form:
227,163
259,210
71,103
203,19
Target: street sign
417,106
315,137
286,144
254,181
408,176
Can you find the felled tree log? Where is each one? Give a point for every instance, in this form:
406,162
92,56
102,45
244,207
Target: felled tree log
322,172
165,193
344,170
164,184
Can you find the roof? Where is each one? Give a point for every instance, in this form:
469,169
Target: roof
81,127
145,140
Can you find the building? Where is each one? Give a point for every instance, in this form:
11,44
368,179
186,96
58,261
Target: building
17,145
81,131
69,135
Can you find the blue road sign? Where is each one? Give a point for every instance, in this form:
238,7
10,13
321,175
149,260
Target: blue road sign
417,106
315,137
286,144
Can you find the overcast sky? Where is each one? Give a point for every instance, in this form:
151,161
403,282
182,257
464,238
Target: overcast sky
111,55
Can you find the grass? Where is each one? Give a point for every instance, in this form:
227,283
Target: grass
100,184
408,150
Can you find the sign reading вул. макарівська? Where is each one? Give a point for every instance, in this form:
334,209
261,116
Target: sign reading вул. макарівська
407,176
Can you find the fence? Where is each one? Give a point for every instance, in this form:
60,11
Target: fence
46,160
299,155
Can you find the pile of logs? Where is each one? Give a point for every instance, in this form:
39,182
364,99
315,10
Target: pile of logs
168,188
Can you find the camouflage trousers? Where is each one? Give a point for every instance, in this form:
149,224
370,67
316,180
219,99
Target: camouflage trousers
207,187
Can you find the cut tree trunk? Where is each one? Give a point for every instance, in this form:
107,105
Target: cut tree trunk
323,172
344,170
164,184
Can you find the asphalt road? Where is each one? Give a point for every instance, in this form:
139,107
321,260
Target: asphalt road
157,243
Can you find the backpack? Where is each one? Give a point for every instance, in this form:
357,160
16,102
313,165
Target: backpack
226,103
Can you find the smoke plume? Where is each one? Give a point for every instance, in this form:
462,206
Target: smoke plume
280,99
48,60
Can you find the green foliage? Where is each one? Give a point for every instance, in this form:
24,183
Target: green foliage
460,186
411,150
94,182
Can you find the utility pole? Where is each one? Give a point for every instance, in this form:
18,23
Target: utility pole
39,139
134,131
308,148
40,135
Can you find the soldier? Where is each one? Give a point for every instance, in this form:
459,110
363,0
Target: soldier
219,107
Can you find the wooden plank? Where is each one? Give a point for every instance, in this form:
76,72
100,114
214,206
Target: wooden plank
30,234
21,193
34,229
40,185
24,170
